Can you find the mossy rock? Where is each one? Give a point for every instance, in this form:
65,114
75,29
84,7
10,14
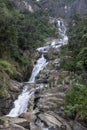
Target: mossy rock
4,82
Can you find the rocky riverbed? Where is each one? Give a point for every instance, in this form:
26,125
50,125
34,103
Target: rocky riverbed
46,106
40,106
13,91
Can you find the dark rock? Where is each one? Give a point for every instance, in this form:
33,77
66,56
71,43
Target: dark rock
41,81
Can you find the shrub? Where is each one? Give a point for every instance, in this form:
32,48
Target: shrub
7,67
76,101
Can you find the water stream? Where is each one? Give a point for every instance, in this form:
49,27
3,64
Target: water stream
21,104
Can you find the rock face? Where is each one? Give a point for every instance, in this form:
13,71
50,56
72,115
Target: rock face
57,8
26,5
11,94
65,8
51,101
7,123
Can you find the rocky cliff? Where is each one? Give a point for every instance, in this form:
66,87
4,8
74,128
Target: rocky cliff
57,8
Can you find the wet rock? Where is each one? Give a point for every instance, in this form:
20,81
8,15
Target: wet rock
34,127
54,128
29,85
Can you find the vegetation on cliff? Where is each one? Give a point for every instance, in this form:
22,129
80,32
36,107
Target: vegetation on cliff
74,59
20,35
76,50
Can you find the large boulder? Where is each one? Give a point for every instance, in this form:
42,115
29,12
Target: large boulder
29,116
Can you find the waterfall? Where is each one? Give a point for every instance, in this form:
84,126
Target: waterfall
41,63
21,104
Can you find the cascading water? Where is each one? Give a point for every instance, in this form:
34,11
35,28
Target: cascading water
41,63
21,104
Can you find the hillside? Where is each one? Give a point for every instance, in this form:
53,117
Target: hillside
56,8
43,64
20,35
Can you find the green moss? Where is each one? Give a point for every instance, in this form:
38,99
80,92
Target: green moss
7,67
3,92
4,84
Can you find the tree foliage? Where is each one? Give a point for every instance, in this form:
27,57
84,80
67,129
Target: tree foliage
75,59
76,101
20,35
77,46
21,31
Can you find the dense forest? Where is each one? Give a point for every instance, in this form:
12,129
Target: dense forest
20,35
74,59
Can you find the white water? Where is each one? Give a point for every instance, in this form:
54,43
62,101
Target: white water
21,104
41,63
41,125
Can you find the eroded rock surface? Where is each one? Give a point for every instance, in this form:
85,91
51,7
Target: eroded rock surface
9,123
57,8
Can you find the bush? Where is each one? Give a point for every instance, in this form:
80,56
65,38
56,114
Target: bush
77,46
82,58
5,66
76,101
